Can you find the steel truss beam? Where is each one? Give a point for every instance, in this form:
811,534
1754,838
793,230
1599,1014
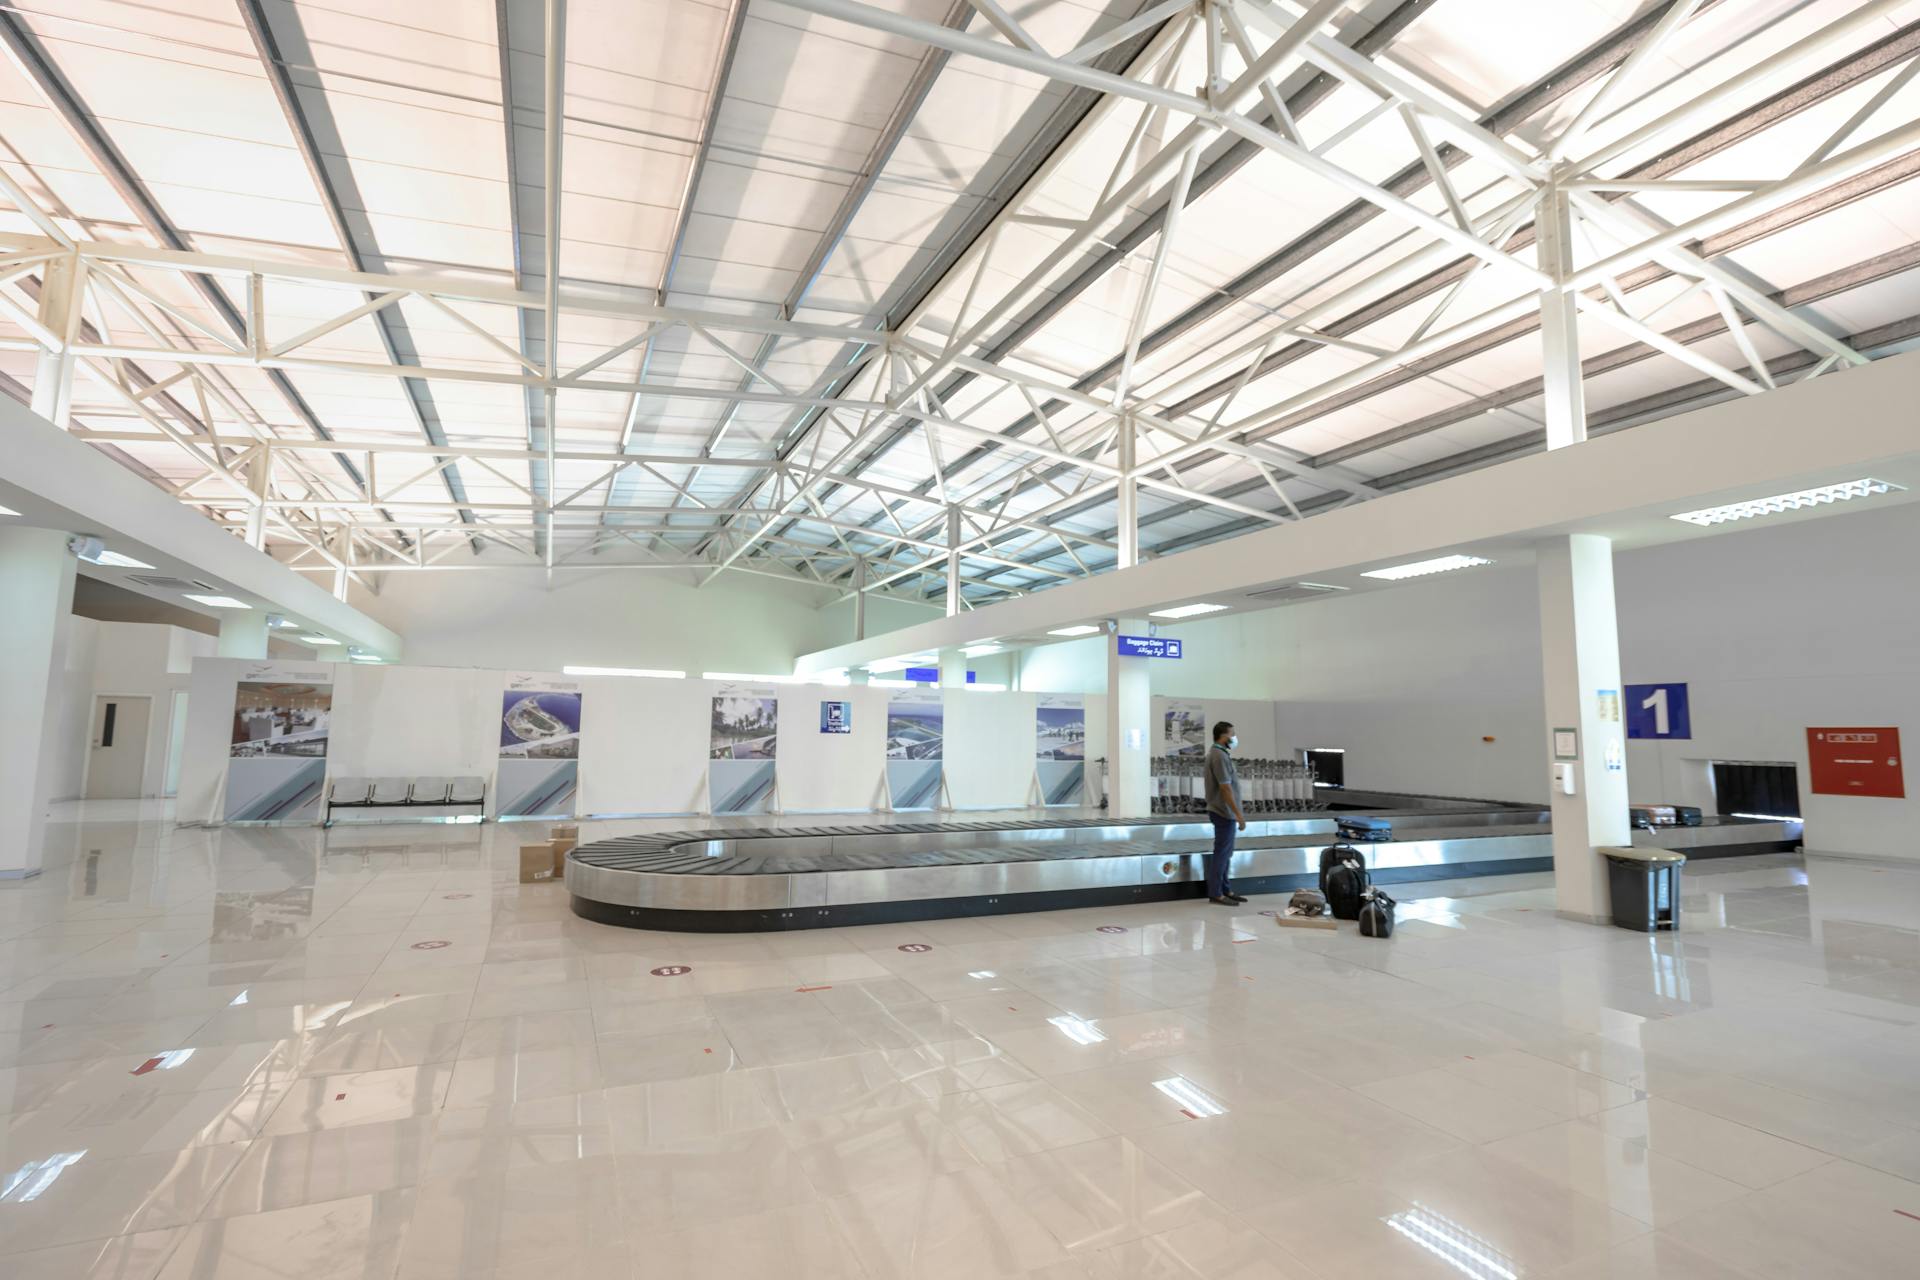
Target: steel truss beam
1112,442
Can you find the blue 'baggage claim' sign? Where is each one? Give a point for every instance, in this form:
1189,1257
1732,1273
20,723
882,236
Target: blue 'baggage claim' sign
1148,647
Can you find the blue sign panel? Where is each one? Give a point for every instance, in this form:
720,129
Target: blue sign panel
836,717
927,675
1148,647
1658,711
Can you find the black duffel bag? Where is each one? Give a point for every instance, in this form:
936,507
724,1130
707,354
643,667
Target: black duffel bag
1376,915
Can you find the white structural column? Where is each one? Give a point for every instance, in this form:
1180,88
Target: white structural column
59,316
36,615
953,561
1565,391
243,634
1129,733
953,669
1580,651
1126,510
860,598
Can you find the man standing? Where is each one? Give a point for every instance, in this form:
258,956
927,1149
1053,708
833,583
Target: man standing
1223,806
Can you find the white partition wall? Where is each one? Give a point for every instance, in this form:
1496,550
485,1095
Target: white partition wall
644,742
643,745
989,749
832,772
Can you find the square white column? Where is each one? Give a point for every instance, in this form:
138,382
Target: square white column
1580,651
36,618
1129,733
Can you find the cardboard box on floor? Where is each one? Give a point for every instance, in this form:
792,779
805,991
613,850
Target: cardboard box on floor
562,840
536,863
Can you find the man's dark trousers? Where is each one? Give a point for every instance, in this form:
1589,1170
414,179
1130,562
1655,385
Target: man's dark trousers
1222,857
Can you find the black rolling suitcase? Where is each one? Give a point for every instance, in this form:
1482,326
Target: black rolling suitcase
1343,879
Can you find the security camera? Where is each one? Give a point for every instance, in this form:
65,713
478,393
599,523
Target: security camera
85,546
1112,625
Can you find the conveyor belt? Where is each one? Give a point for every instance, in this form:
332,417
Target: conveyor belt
773,878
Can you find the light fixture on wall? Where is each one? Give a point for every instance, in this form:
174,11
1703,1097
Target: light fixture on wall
276,622
978,650
1421,568
739,678
646,672
1783,502
90,549
1186,611
316,640
1078,629
219,602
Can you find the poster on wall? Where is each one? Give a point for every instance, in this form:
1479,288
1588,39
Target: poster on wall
916,734
277,753
741,748
1060,748
1185,732
539,770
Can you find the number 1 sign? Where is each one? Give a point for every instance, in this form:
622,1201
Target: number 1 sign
1658,711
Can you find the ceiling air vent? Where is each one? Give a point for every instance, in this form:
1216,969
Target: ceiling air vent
161,582
1293,591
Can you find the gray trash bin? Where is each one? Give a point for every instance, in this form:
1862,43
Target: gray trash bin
1645,886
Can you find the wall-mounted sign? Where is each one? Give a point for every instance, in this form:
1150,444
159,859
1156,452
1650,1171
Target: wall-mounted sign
1566,744
1658,711
836,717
927,675
1855,762
1148,647
1606,705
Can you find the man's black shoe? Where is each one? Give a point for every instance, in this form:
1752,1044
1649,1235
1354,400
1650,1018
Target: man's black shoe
1221,902
1236,899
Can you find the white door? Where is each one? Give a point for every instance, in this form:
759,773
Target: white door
117,760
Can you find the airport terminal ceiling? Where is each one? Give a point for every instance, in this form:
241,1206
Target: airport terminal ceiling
948,301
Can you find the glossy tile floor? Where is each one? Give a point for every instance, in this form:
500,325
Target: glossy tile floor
371,1053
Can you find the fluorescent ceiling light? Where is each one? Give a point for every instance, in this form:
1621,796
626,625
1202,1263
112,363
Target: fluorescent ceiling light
316,640
219,602
625,671
8,511
978,650
114,560
748,679
983,687
1081,629
1186,611
881,683
1780,502
1421,568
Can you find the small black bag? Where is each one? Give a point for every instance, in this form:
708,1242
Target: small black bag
1376,915
1336,854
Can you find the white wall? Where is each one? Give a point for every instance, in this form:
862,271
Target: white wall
616,618
135,659
1774,630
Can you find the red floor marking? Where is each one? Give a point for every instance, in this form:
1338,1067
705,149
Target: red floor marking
1246,977
1903,1213
828,987
706,1051
339,1097
145,1067
1189,1115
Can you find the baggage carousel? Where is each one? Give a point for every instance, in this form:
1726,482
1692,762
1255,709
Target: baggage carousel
750,879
